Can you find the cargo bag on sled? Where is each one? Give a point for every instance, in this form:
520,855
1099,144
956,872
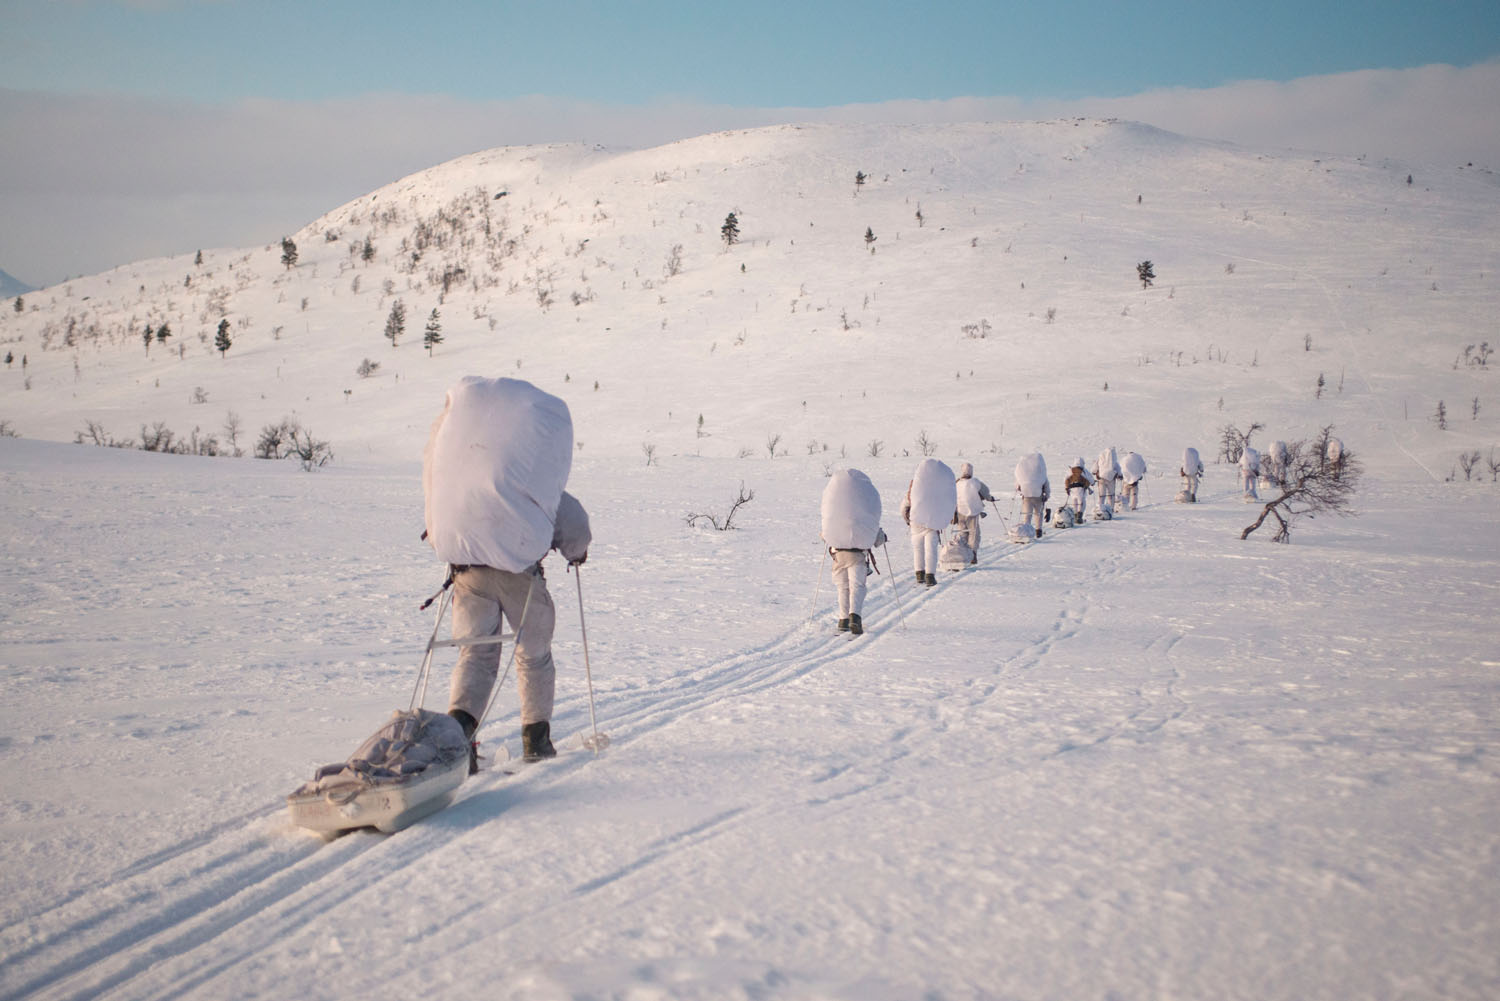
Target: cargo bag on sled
955,554
406,770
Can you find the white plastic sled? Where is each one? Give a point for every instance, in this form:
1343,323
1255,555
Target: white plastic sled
1021,532
1183,497
955,554
1064,518
406,770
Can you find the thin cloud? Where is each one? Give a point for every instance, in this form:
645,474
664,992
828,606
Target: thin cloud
92,182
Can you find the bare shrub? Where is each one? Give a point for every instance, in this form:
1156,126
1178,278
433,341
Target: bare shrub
1311,485
744,497
1233,442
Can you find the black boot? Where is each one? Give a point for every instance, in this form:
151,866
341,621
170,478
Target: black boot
921,577
855,625
536,741
844,625
470,724
932,580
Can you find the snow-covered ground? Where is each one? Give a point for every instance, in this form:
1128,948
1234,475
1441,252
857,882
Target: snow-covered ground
1139,759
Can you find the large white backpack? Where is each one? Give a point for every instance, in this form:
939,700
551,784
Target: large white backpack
493,473
1031,474
934,495
851,510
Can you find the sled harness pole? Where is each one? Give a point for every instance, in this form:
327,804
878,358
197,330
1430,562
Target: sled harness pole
447,583
597,742
419,694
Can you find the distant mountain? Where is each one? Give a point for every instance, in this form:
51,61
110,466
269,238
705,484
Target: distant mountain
10,286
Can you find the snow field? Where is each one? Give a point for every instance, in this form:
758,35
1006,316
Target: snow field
1138,757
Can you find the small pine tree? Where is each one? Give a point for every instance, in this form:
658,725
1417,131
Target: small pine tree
1144,272
395,323
433,334
222,342
162,333
146,337
288,252
198,259
859,180
20,304
1319,394
367,252
730,231
1441,416
870,238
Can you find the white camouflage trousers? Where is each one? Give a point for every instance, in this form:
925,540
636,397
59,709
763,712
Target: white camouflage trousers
849,573
481,596
969,529
1033,511
924,549
1132,492
1105,494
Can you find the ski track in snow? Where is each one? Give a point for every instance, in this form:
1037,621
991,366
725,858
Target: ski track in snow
214,899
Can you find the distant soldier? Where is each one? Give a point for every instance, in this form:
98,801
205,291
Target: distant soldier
972,493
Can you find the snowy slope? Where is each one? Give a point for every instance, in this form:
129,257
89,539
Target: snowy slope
1138,759
1386,282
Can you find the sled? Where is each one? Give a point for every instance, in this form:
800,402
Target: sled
1064,518
1105,513
1183,497
956,554
406,770
1021,533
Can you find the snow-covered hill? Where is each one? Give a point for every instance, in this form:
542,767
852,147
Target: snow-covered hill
1003,256
1138,759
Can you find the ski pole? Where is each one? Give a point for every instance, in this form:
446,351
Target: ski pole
818,584
598,741
891,567
1003,523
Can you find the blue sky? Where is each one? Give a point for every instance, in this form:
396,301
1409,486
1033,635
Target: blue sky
767,53
159,126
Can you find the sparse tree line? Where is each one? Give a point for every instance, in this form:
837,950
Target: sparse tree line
285,439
